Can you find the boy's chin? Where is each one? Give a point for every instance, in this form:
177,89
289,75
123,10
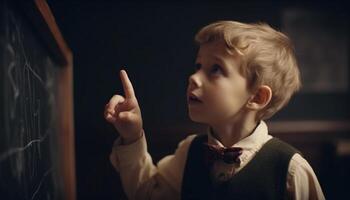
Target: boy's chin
195,118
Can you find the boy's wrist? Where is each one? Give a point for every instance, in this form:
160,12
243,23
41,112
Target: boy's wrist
127,141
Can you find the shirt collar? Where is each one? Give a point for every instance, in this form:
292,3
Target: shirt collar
253,142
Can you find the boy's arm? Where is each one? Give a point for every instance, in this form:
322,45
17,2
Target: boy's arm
141,179
130,157
133,163
302,182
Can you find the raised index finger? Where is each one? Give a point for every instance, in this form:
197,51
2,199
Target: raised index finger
128,89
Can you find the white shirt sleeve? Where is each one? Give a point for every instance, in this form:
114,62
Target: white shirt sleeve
141,179
302,182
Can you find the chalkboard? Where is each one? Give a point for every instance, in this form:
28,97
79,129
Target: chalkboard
36,123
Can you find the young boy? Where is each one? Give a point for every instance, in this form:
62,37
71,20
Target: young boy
244,74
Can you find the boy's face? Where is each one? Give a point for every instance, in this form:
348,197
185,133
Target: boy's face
217,93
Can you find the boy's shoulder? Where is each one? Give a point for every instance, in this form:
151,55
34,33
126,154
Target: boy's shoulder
283,143
277,149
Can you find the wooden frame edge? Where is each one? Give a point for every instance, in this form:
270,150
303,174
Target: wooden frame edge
65,90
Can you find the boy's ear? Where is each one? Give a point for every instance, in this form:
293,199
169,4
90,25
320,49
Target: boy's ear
261,98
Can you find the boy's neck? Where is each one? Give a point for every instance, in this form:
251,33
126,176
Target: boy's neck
231,133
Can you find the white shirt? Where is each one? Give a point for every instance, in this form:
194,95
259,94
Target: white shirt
141,179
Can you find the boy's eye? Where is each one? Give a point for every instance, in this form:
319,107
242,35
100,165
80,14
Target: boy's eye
216,69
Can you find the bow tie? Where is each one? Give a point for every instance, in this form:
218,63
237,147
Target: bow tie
228,155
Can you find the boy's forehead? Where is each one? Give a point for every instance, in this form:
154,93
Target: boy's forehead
211,56
216,50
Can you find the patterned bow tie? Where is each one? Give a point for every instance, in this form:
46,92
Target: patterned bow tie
228,155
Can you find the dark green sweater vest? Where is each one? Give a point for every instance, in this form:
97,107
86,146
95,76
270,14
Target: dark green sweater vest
264,177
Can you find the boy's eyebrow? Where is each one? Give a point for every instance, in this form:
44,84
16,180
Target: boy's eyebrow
217,58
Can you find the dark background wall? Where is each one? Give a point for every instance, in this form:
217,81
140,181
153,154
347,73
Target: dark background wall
154,43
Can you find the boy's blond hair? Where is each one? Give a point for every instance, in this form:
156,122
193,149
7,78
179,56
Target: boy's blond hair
267,58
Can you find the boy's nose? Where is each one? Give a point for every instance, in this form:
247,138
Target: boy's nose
194,81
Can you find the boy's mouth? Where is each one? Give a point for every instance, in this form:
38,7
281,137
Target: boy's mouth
193,99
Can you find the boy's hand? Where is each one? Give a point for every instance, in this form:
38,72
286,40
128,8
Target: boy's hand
124,112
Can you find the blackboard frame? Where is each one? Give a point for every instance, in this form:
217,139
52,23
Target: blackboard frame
58,46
